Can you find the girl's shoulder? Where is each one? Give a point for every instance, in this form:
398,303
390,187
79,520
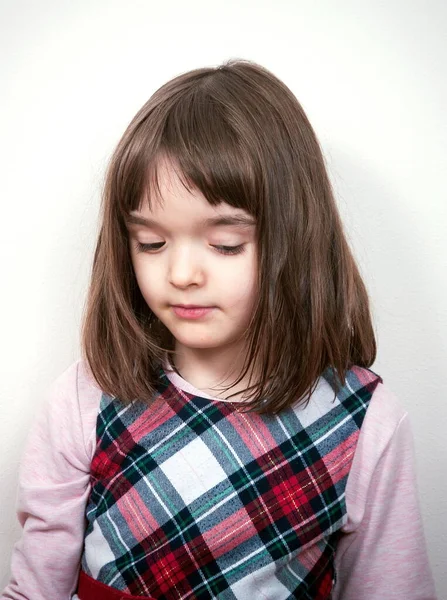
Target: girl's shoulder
76,385
73,400
386,430
385,414
385,410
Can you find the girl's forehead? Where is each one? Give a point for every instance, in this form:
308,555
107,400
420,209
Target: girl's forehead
169,196
191,211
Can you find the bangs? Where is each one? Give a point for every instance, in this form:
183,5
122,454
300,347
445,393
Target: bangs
198,137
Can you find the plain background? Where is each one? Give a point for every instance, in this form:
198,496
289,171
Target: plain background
372,79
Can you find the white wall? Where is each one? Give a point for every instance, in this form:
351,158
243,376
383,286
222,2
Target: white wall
372,77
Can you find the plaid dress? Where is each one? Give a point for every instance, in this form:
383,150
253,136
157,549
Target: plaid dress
193,498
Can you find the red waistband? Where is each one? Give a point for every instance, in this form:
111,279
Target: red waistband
90,589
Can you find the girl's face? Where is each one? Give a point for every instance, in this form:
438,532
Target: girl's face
195,264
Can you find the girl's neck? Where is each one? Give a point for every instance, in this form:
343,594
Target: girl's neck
213,371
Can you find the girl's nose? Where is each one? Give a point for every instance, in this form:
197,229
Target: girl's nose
185,269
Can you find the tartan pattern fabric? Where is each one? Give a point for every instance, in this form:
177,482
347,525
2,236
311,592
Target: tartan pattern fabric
193,498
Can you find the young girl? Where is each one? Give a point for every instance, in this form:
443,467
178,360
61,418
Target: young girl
223,436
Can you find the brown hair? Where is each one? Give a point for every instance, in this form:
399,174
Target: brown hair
237,134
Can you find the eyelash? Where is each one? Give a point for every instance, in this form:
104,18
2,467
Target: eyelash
230,250
149,247
226,250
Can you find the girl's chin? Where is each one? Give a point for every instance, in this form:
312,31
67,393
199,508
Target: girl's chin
201,342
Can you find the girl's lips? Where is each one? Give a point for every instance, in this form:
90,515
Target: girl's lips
192,312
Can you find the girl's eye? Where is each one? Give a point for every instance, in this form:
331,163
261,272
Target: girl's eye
230,249
149,247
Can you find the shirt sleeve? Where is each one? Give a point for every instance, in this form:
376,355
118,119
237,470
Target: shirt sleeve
382,552
53,491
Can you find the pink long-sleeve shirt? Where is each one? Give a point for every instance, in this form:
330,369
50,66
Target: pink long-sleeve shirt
381,554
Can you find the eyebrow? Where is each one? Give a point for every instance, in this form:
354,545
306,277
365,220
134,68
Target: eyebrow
219,221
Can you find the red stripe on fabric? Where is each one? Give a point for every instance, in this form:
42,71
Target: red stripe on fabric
170,572
137,515
90,589
230,533
253,432
157,414
366,377
102,465
325,587
339,461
